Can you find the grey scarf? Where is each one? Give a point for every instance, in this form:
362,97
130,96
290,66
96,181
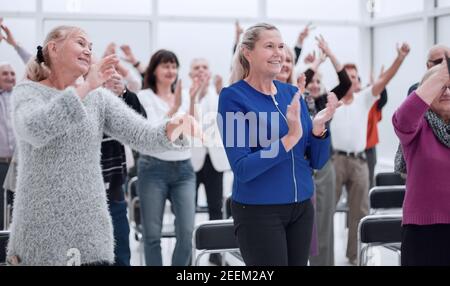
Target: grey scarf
440,129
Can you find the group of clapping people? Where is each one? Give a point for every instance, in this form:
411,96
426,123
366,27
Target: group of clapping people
73,113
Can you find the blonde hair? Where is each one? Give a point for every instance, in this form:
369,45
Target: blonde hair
241,67
36,71
290,52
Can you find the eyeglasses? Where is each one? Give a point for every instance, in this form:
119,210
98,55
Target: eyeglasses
435,62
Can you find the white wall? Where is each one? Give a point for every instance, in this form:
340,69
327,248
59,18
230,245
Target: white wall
443,35
23,30
194,28
385,40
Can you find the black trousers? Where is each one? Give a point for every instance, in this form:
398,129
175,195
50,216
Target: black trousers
426,245
213,182
274,235
371,155
3,170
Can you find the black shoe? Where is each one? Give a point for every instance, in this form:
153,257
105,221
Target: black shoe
216,259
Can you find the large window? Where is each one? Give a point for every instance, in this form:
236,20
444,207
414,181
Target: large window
317,9
17,5
192,40
136,7
335,36
389,8
385,41
443,3
443,36
210,8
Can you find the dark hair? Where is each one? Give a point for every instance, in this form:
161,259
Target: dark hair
160,57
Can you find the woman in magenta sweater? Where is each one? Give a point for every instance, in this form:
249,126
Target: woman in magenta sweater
422,123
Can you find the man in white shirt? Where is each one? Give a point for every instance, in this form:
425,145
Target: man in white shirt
349,129
7,140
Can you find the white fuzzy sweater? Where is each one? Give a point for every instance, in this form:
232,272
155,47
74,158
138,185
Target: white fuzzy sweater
60,206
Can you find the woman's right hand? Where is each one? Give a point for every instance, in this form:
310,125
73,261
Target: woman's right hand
98,74
295,126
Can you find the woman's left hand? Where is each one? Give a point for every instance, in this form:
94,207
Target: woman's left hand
183,124
326,114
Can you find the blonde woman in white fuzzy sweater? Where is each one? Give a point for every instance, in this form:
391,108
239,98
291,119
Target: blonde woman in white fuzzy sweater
60,211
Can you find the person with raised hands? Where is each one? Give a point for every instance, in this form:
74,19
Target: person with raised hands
132,84
60,212
131,58
272,146
316,98
302,36
422,123
11,40
349,126
208,159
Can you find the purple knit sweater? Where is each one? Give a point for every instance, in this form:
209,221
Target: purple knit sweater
427,199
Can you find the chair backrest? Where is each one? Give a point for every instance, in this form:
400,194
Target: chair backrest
132,187
380,229
215,235
389,179
387,197
4,236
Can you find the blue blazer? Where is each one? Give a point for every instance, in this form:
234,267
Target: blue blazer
252,125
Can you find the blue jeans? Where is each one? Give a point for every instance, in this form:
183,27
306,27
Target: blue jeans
160,180
118,211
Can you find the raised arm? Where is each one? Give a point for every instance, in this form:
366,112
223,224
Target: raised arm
407,117
344,81
23,54
435,84
237,35
314,64
387,76
300,41
131,58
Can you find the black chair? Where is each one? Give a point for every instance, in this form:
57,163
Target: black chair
4,236
378,230
389,197
216,236
389,179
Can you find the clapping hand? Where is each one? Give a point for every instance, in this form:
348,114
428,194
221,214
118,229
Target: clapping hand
325,114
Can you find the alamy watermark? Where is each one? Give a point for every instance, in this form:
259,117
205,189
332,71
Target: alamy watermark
239,130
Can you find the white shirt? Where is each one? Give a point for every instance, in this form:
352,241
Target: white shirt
349,123
156,110
206,115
